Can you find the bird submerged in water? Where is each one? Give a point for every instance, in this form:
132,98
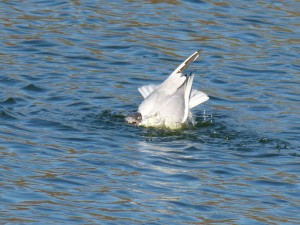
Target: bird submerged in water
169,104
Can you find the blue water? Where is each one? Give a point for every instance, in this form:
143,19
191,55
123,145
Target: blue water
69,75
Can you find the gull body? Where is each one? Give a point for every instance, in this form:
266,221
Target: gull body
169,104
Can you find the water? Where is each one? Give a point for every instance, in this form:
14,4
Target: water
69,75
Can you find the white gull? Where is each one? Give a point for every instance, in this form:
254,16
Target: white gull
169,104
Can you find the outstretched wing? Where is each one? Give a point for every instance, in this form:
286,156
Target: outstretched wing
180,69
147,89
175,80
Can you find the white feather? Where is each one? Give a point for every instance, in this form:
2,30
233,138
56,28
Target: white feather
185,64
197,97
170,86
187,94
146,90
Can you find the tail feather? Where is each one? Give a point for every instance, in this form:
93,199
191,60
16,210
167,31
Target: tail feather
187,94
197,97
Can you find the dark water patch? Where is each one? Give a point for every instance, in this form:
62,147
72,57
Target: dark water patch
33,88
117,47
82,58
73,139
14,102
215,131
9,101
279,144
258,21
44,3
265,140
267,155
221,172
218,81
111,117
120,63
270,183
38,43
7,115
82,105
197,2
5,80
295,154
104,97
59,99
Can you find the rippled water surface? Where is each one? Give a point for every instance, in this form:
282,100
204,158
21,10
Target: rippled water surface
69,75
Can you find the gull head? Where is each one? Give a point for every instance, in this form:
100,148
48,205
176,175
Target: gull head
135,118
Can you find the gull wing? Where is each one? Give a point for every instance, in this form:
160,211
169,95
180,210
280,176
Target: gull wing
196,98
146,90
186,63
175,80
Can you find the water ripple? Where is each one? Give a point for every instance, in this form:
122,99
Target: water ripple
69,75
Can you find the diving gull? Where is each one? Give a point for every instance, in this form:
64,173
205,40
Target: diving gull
169,104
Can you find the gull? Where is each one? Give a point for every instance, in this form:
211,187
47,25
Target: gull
169,104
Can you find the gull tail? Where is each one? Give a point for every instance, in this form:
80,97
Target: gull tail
187,94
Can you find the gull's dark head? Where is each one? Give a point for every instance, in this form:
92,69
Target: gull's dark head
135,118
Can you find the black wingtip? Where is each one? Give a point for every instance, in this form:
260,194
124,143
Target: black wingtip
192,59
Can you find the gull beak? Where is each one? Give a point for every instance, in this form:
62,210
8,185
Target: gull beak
135,118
